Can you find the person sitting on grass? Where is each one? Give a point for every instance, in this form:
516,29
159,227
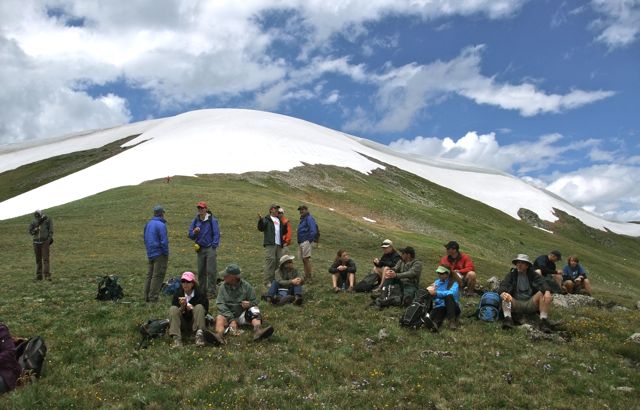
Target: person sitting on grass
407,271
445,293
287,286
390,258
237,306
9,367
188,310
461,265
523,291
343,271
574,277
545,265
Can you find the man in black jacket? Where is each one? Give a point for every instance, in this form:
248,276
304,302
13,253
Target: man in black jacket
41,230
524,291
274,232
545,265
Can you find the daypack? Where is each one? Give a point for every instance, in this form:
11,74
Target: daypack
30,354
153,329
413,317
489,307
109,288
367,283
391,295
171,286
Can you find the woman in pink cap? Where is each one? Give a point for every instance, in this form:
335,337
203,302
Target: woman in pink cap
188,310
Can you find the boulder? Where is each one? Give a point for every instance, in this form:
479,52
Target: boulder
573,301
493,283
635,338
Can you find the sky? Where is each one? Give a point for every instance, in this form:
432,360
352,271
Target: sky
544,90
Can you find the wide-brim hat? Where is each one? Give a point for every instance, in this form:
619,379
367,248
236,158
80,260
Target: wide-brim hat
286,258
521,257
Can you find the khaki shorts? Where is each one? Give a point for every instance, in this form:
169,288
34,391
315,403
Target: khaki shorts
305,250
523,306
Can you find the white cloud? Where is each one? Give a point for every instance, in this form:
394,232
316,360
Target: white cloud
620,25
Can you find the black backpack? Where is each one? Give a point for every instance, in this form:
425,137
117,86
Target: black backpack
109,288
153,329
367,283
391,295
30,354
414,315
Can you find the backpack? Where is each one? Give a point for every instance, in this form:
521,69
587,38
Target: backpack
391,295
414,315
109,289
30,354
171,286
368,283
153,329
489,307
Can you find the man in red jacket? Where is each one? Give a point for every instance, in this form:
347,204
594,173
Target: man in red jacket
462,265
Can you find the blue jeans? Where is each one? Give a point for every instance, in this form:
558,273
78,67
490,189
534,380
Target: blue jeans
276,290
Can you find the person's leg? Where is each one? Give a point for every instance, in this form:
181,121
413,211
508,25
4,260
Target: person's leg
558,279
437,315
46,272
543,303
221,324
273,291
37,248
352,280
202,268
586,286
175,322
334,281
452,312
408,293
147,282
212,270
157,277
568,286
269,264
308,269
471,282
199,321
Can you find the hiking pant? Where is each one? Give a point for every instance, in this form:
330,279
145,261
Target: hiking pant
42,259
272,255
408,292
207,269
450,311
277,290
179,323
155,277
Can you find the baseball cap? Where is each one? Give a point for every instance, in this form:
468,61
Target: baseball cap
443,269
189,276
452,245
386,243
557,253
202,204
232,269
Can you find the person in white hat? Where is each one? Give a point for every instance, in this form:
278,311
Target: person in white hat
287,286
523,291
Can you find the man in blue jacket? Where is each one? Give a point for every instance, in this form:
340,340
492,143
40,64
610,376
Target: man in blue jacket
204,230
307,234
156,241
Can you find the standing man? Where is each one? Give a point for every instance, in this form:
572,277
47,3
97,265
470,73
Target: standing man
274,232
307,234
460,264
41,229
156,240
204,230
286,237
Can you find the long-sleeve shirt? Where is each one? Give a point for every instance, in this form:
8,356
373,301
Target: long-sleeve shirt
307,229
155,237
442,292
409,272
462,263
41,229
284,277
569,273
350,264
229,299
209,235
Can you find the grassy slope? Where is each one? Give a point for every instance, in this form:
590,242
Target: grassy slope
320,353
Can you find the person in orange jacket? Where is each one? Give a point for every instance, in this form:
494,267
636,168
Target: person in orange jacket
286,239
460,264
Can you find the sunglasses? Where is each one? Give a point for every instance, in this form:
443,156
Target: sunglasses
185,281
200,207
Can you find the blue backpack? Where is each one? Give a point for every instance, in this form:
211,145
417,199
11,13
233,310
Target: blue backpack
489,307
171,286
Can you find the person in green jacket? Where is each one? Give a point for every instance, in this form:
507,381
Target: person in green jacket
41,229
407,271
287,287
237,306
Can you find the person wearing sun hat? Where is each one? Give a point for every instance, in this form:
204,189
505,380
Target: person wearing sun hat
205,232
188,310
523,291
287,287
156,241
238,306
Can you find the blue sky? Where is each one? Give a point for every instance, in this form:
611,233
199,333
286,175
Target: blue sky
545,90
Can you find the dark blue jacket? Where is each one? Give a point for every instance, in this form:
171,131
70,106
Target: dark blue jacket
209,231
307,229
155,237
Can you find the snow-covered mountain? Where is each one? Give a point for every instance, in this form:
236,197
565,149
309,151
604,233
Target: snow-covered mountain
237,141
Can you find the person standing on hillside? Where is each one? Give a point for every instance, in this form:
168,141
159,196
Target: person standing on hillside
286,237
41,230
460,264
307,235
156,240
524,291
204,230
274,233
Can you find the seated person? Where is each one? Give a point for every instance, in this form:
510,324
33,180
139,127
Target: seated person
407,272
343,270
238,306
188,310
574,277
389,259
460,264
445,294
524,291
9,368
287,286
545,265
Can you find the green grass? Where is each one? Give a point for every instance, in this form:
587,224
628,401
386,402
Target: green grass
326,353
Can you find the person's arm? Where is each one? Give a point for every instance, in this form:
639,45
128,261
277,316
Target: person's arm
50,229
540,283
351,266
164,239
413,273
216,232
506,284
334,267
285,283
448,292
193,225
313,228
467,265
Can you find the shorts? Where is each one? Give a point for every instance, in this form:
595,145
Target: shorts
463,279
305,249
524,306
248,315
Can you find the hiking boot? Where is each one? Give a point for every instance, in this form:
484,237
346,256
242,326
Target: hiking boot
286,299
350,289
429,323
298,300
544,326
507,323
336,289
453,324
199,338
38,278
177,341
268,299
262,333
212,339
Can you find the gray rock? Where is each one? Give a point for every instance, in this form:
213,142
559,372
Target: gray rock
573,301
383,334
625,389
493,283
635,337
638,305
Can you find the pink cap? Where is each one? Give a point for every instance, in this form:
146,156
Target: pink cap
189,276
